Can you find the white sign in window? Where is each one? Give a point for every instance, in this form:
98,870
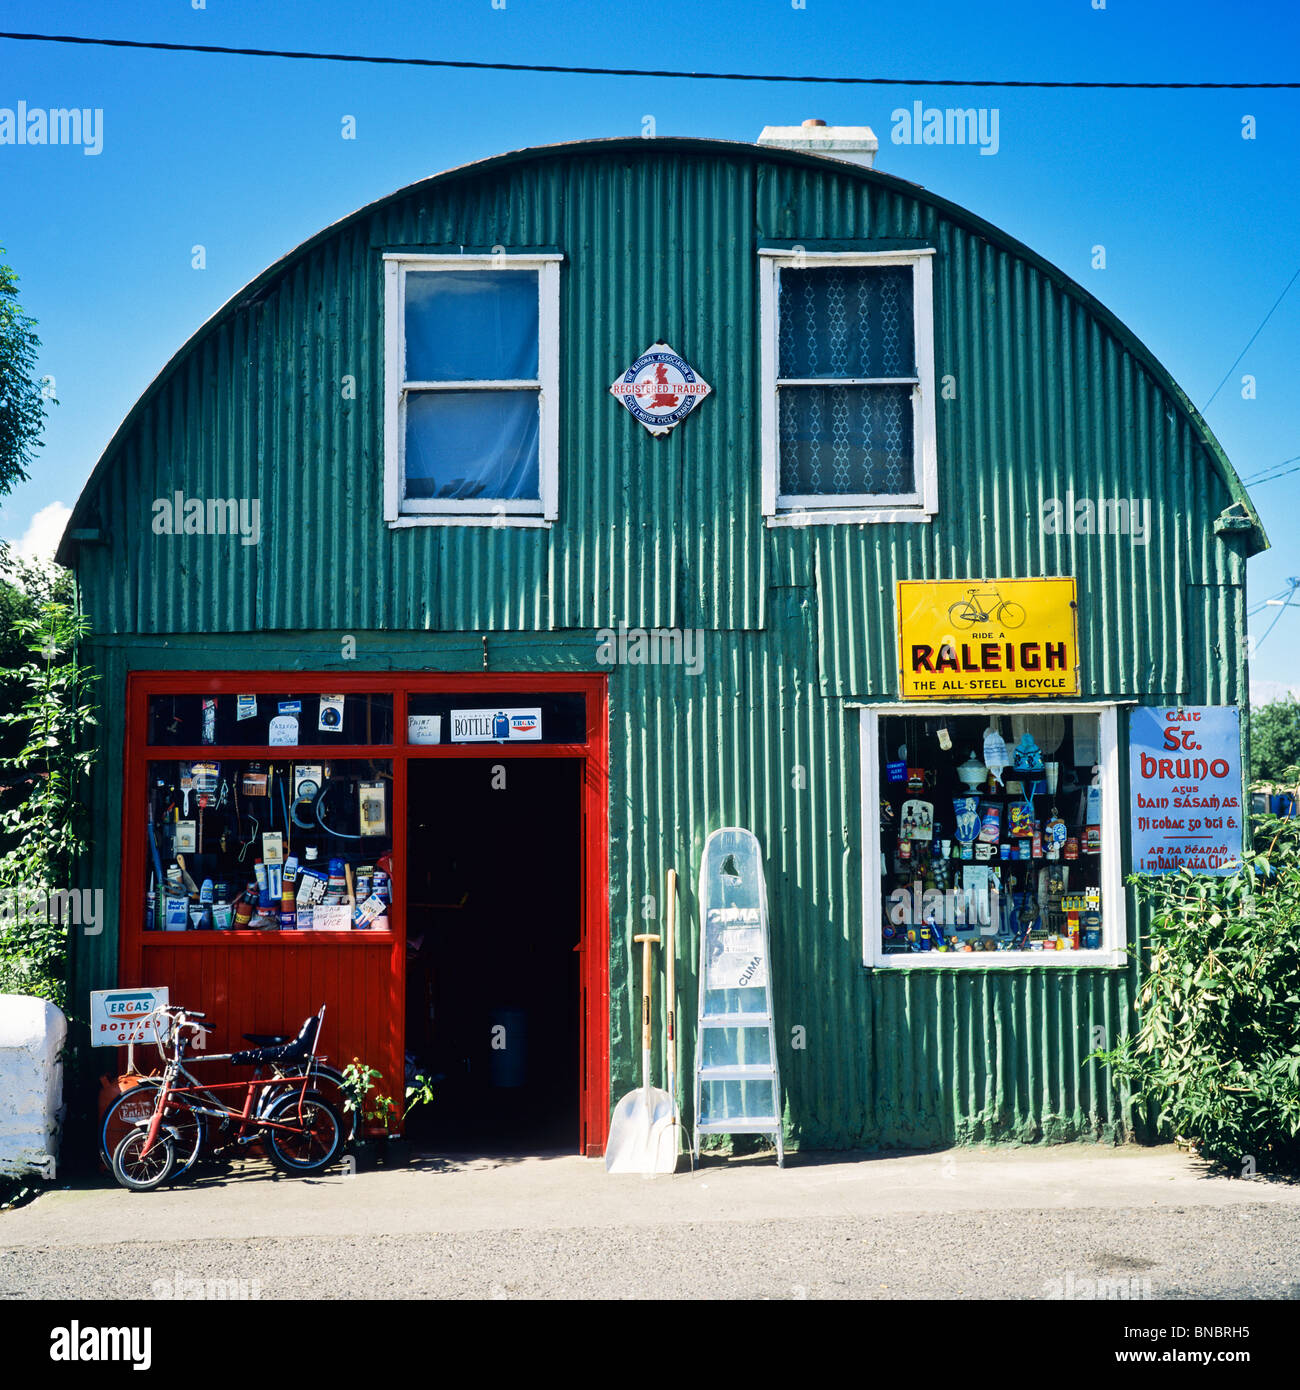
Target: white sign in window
496,725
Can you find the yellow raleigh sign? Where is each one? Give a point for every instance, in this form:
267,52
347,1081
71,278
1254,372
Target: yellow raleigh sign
969,639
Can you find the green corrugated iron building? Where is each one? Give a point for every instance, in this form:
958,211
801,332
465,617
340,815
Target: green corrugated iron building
442,511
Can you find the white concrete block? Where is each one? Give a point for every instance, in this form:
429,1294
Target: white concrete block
32,1034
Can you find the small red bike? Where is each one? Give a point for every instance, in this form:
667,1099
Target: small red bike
302,1132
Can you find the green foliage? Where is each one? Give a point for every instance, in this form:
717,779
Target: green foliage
420,1092
358,1081
24,586
46,830
360,1092
1274,739
22,403
1218,1041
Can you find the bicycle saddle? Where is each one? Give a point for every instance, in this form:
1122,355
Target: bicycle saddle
296,1051
267,1039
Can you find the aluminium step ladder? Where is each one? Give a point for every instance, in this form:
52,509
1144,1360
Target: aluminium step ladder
737,1076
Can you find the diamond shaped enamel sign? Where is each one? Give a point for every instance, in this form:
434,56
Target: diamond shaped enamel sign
660,389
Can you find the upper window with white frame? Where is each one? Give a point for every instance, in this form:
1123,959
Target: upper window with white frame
471,427
848,387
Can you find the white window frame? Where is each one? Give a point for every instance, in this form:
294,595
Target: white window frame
1114,918
923,505
536,512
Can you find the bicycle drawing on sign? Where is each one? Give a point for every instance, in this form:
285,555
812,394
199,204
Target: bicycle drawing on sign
971,610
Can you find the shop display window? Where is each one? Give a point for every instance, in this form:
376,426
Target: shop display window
996,837
269,844
256,720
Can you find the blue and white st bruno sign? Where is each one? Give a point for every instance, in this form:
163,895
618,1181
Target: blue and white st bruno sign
1185,785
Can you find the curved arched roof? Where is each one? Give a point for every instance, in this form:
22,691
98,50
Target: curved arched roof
732,149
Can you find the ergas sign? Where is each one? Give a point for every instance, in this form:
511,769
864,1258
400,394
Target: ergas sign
121,1016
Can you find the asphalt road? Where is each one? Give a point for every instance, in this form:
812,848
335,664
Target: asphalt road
1249,1252
1075,1223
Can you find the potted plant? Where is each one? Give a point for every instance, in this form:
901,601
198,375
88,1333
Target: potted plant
358,1081
377,1141
418,1092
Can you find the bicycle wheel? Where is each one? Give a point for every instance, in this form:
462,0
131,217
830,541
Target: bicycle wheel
1010,614
314,1138
141,1172
963,614
326,1081
134,1108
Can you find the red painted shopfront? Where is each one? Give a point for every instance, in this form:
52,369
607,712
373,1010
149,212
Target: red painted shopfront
497,820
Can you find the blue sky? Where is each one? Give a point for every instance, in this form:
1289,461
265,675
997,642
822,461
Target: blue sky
1201,227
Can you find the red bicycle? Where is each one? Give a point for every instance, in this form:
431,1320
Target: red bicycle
302,1132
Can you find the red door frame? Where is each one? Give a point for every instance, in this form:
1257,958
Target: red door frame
593,755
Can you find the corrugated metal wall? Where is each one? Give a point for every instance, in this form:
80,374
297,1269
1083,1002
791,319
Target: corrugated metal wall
661,243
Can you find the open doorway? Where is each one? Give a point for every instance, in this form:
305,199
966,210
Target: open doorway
494,917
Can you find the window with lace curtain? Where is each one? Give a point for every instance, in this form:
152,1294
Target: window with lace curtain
848,386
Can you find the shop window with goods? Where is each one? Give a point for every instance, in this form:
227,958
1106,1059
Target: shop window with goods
281,841
993,836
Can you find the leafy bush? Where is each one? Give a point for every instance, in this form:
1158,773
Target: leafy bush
1274,739
45,832
1218,1040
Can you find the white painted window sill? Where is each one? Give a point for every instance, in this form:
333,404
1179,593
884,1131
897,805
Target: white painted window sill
831,517
499,521
999,960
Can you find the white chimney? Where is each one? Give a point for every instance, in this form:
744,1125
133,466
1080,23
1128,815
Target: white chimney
856,143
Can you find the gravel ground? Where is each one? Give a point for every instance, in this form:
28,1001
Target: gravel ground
1245,1251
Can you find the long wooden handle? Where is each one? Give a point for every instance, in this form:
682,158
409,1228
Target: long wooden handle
670,951
670,1002
646,941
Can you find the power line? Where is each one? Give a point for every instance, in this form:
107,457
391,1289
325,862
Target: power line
1253,336
639,72
1290,594
1270,474
1271,602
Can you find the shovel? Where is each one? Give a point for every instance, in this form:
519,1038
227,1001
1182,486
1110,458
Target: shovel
665,1139
630,1147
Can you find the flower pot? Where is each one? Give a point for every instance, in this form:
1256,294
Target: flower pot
367,1153
397,1152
